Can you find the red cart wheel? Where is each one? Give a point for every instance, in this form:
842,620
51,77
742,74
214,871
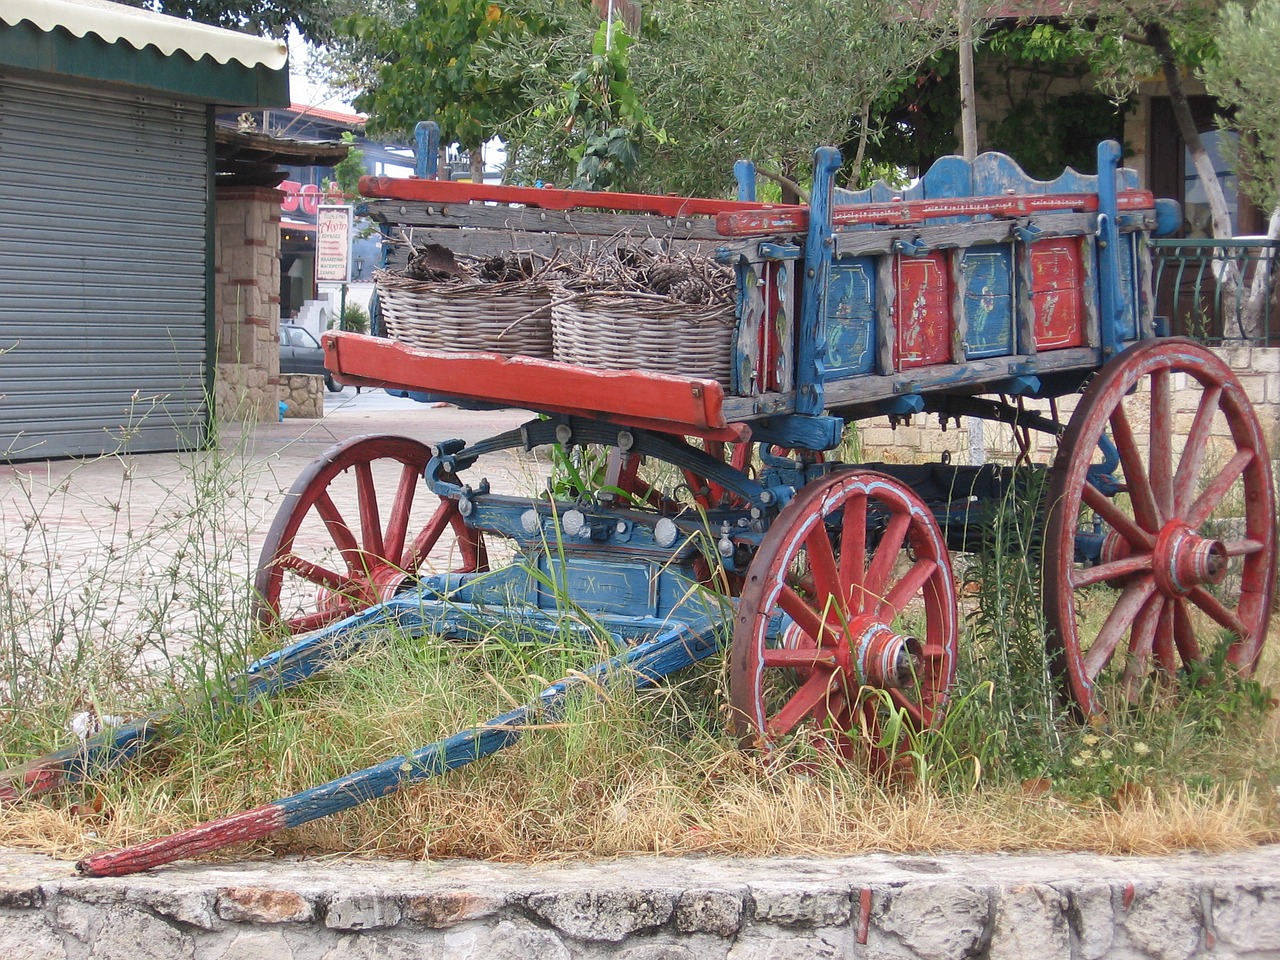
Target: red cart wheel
333,549
859,571
1187,546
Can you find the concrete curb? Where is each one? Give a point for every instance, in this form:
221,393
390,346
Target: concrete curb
877,906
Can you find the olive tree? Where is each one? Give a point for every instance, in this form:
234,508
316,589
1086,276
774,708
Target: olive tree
1245,77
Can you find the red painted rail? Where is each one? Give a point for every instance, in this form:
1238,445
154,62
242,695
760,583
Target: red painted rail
547,198
770,220
654,401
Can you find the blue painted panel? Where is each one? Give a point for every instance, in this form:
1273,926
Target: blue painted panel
599,587
988,301
990,175
1129,329
851,317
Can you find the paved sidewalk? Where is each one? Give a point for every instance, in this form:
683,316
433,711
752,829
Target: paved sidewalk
89,542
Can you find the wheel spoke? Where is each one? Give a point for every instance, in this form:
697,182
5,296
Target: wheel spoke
429,535
1141,640
1161,445
1163,644
1219,487
853,551
312,572
1119,521
1243,548
370,521
1184,634
314,621
792,658
402,507
802,704
805,617
822,563
906,588
1135,475
1194,452
1212,606
338,529
1118,622
1101,572
885,556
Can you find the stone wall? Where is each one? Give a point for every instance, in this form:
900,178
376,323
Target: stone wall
303,395
874,907
247,302
923,439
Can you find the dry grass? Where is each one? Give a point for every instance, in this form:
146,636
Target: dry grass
635,773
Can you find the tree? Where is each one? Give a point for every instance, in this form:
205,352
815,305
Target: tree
313,19
1131,39
427,69
1245,76
724,79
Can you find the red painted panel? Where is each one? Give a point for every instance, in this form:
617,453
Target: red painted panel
770,344
922,311
654,401
1057,293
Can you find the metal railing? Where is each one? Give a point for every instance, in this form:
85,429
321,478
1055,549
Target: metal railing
1218,290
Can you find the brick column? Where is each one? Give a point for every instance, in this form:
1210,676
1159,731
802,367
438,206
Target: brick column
247,302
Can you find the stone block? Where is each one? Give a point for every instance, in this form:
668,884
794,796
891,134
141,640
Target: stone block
195,908
1247,919
1164,921
789,906
29,936
361,911
264,905
610,915
448,908
254,943
1092,918
709,911
20,896
936,921
1031,921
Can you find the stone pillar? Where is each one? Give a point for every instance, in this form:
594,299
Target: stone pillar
247,302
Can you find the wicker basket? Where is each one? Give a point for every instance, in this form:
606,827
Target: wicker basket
510,318
625,331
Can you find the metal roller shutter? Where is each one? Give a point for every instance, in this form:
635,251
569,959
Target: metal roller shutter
103,209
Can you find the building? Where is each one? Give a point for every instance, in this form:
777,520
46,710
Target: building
107,203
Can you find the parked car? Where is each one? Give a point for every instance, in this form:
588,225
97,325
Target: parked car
300,352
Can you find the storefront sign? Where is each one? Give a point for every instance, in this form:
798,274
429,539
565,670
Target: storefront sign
333,243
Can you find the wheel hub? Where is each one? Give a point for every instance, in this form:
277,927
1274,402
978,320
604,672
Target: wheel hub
872,655
1183,560
381,582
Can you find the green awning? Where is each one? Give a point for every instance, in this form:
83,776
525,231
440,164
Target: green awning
95,40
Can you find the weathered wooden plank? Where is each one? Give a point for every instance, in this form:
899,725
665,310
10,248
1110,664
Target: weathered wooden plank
547,198
959,311
528,219
656,401
886,322
947,376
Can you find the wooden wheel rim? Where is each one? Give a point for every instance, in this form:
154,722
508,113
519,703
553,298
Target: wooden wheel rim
378,556
824,642
1155,551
